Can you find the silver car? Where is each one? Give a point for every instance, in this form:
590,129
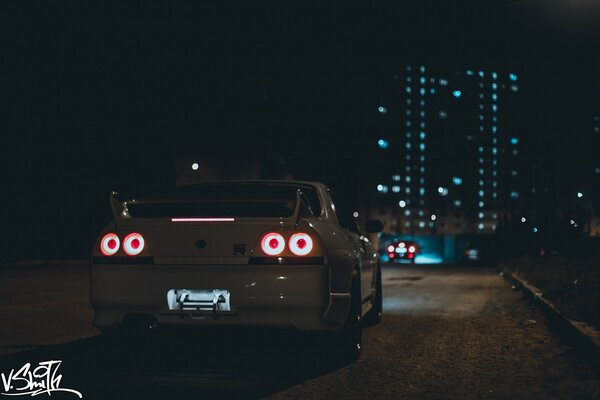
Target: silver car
237,253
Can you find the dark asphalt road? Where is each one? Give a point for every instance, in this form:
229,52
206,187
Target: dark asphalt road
448,332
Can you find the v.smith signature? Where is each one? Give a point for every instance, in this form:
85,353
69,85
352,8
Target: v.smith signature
42,379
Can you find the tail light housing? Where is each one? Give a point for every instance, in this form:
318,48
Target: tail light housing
110,244
272,244
133,244
300,244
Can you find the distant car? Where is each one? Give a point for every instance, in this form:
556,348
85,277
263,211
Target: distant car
245,253
402,250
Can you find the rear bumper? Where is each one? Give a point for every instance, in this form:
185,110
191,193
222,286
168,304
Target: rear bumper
293,296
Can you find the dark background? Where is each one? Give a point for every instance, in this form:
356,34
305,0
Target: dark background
102,97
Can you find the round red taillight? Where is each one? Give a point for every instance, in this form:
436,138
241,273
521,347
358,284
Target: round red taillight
272,244
301,244
109,244
133,244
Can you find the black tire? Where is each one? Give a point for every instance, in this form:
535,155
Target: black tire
350,342
375,314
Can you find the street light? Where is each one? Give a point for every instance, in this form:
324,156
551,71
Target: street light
579,194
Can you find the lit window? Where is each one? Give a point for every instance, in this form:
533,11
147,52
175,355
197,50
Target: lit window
469,72
420,213
396,189
443,82
422,69
383,144
481,193
457,180
514,195
494,86
481,204
481,226
408,145
513,77
382,109
443,114
408,89
432,91
494,75
423,80
422,192
443,191
396,178
481,74
457,93
514,88
407,213
422,146
422,91
514,140
494,108
457,203
513,173
481,215
421,224
402,203
422,135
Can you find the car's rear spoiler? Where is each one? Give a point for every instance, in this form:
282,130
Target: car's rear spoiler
123,217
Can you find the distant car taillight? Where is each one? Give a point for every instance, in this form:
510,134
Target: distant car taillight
133,244
272,244
109,244
301,244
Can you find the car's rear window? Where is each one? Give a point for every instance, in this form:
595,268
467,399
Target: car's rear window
217,200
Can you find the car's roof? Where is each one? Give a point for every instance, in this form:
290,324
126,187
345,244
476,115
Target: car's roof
260,181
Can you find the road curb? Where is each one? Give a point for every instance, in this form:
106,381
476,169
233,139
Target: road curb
578,335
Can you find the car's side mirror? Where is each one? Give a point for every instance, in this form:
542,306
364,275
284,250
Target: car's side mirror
374,226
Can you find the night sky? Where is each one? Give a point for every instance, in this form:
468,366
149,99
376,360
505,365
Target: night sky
102,97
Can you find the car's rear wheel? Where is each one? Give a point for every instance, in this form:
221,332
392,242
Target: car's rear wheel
374,316
350,340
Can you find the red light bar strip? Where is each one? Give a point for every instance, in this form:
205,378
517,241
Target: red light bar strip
225,219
